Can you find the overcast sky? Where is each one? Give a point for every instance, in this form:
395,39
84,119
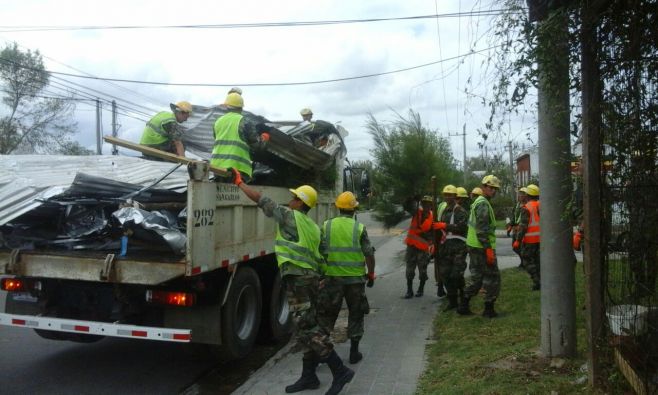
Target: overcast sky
272,55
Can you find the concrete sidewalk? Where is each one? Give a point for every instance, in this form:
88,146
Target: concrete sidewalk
397,332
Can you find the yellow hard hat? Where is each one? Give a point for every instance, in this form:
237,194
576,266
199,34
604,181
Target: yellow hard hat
347,201
523,190
306,111
235,89
306,194
182,106
427,198
234,100
449,189
477,191
491,181
532,190
461,192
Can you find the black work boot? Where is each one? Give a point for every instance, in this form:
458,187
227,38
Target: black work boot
421,286
309,379
341,373
410,289
440,291
489,310
464,308
452,303
355,355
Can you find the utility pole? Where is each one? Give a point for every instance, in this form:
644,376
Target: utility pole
591,167
115,150
463,134
511,169
99,149
558,296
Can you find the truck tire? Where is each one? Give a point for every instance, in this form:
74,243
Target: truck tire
241,314
278,315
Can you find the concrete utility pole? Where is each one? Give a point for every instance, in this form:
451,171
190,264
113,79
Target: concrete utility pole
463,134
558,300
511,169
115,150
99,149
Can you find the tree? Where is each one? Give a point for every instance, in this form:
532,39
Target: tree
35,122
406,156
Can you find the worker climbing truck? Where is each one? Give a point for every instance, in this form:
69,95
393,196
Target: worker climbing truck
122,246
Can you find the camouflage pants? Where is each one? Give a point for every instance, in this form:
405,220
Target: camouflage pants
452,265
330,300
482,276
416,258
302,294
530,256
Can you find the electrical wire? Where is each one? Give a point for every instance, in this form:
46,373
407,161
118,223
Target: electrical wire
35,28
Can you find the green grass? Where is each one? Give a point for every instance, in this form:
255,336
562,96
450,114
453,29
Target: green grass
476,355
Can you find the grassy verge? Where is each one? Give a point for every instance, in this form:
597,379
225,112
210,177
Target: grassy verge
476,355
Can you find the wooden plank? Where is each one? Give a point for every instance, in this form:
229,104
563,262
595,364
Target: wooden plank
161,154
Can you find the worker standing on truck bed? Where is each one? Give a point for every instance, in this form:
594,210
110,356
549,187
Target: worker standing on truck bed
163,131
297,252
234,137
348,252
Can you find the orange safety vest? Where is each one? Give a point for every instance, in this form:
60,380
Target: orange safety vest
532,234
414,235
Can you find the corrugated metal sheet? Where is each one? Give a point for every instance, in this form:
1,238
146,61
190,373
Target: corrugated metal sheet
25,180
199,138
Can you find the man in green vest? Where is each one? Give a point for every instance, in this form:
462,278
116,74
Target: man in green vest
348,252
297,252
451,256
234,137
481,244
163,131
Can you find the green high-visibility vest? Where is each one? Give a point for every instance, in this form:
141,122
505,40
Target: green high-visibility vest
229,149
441,208
154,132
303,253
471,236
344,255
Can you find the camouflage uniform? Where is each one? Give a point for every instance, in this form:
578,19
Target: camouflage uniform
301,287
452,253
416,258
482,275
529,251
352,288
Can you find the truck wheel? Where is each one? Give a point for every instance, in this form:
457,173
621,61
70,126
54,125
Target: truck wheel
241,314
280,320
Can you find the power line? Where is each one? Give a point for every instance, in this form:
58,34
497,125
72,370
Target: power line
472,52
35,28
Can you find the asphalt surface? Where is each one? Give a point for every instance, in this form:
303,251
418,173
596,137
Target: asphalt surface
397,330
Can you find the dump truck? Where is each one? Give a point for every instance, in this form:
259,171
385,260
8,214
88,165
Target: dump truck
76,268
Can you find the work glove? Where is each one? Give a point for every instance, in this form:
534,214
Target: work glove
371,279
491,256
237,177
439,225
265,136
516,245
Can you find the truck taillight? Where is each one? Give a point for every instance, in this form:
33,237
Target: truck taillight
171,298
13,285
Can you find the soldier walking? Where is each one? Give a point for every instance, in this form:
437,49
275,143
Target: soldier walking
527,238
452,252
348,252
481,242
297,253
419,246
